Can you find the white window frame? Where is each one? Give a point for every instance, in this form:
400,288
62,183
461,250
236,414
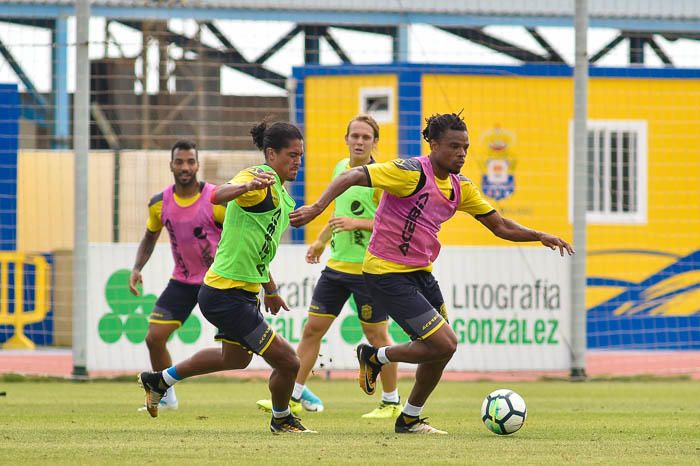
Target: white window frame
638,127
383,116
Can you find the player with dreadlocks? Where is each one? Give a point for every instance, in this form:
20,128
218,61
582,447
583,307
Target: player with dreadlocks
420,194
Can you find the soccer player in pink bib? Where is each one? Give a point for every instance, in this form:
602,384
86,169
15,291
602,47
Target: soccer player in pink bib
194,227
420,194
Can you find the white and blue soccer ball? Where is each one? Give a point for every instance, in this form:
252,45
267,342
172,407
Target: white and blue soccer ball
503,411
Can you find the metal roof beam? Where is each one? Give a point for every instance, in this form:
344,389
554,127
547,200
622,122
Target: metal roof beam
336,47
38,99
231,58
673,36
479,37
278,45
467,18
219,35
385,30
659,51
38,22
553,54
312,48
606,49
636,52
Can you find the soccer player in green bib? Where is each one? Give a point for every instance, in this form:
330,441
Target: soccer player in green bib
348,231
257,214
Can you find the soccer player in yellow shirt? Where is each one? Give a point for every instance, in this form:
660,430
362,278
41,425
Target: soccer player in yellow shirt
419,195
194,229
348,233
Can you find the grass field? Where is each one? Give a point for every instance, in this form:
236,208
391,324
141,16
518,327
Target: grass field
603,422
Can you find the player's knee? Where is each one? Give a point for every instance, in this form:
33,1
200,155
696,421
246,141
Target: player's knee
378,338
233,363
288,363
292,363
445,346
312,332
450,345
155,341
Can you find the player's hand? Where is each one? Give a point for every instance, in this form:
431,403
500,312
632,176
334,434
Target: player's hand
339,224
304,215
261,181
313,255
554,242
134,280
273,303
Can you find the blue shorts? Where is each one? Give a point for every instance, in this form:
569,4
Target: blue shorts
175,303
236,313
334,288
412,299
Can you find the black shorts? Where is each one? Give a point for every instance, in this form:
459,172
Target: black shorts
175,303
412,299
333,289
236,313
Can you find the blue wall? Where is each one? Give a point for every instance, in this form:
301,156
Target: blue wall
9,143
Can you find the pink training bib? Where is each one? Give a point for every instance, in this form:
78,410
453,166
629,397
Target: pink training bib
406,228
194,234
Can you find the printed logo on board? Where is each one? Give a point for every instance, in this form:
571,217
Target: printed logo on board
498,181
129,314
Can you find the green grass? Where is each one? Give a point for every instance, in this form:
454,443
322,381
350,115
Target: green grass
656,422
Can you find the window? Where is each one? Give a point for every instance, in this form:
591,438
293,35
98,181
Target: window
378,102
617,172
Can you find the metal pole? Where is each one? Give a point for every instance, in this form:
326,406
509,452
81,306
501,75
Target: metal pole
578,264
81,146
402,54
59,73
145,103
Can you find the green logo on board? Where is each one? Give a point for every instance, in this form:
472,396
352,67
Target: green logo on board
130,313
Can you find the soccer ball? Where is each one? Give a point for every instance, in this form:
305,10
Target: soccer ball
503,411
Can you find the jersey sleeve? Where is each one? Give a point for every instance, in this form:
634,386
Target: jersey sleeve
155,207
251,198
377,196
473,202
219,213
398,177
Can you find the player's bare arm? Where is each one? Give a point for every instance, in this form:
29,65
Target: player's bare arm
148,242
273,301
513,231
353,177
230,191
348,224
313,254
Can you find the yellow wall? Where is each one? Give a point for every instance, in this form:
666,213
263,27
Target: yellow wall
330,103
538,111
45,196
45,190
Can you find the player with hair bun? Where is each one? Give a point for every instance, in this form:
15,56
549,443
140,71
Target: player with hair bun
348,232
257,213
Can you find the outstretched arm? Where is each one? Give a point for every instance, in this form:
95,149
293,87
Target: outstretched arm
513,231
230,191
354,177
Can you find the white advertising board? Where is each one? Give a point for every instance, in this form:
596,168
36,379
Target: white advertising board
509,308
